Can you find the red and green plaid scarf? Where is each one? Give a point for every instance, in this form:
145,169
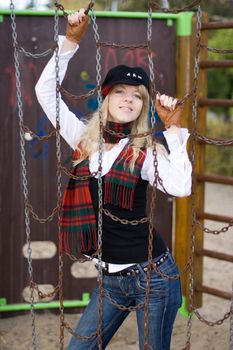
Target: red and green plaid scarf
78,221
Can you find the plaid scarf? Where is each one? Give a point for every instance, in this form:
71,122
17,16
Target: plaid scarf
124,129
78,220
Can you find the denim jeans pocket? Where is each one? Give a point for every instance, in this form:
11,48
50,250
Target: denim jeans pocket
158,285
168,267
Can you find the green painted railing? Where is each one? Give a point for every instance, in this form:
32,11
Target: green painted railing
183,19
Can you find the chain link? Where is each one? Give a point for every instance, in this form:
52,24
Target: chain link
212,141
122,46
124,221
217,50
212,323
35,55
120,306
100,189
59,174
80,97
24,169
231,323
214,232
78,177
35,136
42,295
37,218
77,336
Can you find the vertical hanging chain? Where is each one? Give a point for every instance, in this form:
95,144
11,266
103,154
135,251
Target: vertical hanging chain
231,323
100,182
153,196
59,184
193,159
24,170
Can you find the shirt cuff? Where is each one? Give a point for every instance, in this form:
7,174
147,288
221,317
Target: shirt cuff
67,54
177,142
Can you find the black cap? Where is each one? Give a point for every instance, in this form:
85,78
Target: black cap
125,75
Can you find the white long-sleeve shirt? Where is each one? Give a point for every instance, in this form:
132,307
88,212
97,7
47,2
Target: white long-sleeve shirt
174,168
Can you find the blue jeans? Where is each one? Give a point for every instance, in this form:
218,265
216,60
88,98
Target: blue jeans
165,300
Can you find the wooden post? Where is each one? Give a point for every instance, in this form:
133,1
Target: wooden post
184,76
185,64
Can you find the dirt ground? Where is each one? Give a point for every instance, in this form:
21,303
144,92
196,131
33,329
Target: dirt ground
15,332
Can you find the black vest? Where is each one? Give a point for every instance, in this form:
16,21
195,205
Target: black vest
125,244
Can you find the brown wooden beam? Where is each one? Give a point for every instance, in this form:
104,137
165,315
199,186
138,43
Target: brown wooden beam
214,217
213,291
215,102
215,255
217,25
216,64
218,179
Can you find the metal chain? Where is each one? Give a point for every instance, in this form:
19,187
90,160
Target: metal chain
59,174
77,336
214,232
80,97
78,177
120,306
193,155
35,55
212,141
37,218
122,46
216,50
153,196
124,221
42,295
24,170
231,323
35,136
100,189
212,323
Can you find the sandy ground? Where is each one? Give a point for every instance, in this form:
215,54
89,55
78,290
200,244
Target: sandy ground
15,332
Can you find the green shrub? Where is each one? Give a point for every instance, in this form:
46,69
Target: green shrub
219,159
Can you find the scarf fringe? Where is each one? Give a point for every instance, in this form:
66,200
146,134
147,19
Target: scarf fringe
78,242
118,195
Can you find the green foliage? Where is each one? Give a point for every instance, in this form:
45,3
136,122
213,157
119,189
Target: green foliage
221,8
218,159
220,80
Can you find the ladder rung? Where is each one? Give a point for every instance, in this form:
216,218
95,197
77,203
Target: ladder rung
216,64
218,179
215,255
217,25
217,102
213,291
214,217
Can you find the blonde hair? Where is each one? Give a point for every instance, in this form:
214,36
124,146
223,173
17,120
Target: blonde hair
89,141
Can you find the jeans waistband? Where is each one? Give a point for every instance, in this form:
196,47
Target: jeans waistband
135,270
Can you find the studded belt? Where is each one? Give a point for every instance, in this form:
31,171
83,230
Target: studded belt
134,270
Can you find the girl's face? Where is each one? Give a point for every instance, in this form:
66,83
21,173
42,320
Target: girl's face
125,103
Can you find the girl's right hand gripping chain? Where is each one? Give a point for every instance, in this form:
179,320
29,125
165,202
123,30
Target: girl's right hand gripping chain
77,24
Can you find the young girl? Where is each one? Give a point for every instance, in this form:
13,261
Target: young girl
127,169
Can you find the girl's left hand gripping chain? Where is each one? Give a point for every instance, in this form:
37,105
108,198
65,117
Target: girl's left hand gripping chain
168,111
77,24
